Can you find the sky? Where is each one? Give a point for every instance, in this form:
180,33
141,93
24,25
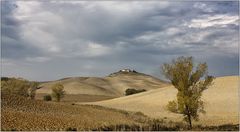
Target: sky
49,40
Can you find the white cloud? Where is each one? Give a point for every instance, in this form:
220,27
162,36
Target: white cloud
38,38
25,9
173,31
7,62
220,20
95,49
203,7
36,26
67,2
37,59
133,6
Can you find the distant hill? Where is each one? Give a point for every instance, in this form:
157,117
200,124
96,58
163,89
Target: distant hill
221,102
113,85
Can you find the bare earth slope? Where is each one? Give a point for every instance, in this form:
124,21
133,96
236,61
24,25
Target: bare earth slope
110,86
221,102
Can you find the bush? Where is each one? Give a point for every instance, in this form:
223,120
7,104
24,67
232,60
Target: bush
47,97
4,78
15,86
71,129
20,87
58,91
131,91
172,106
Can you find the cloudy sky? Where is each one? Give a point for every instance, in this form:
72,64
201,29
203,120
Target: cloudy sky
50,40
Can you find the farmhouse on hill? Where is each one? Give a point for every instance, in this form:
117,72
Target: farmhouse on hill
127,70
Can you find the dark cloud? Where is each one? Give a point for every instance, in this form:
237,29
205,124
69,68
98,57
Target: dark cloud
50,40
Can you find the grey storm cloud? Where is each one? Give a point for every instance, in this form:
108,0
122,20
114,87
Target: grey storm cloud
44,40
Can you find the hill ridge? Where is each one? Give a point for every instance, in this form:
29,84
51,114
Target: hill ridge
113,86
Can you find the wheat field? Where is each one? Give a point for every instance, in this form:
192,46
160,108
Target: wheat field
19,113
221,102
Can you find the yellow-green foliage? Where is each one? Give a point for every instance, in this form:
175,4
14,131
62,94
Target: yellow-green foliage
47,97
186,79
172,106
19,87
32,90
15,86
57,91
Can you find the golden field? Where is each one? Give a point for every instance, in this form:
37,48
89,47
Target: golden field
221,102
78,97
141,111
19,113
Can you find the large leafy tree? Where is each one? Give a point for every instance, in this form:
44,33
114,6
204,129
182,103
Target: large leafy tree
190,81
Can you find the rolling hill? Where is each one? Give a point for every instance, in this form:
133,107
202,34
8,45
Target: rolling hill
221,102
111,86
22,114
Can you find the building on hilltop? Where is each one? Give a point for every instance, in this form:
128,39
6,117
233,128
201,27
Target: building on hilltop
123,71
127,70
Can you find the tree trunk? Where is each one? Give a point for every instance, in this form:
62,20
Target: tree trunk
58,99
189,121
189,117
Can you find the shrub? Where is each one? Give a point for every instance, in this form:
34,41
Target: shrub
172,106
15,86
139,113
19,87
4,78
131,91
58,91
47,97
71,129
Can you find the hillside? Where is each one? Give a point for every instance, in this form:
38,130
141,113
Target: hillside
19,113
111,86
221,102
